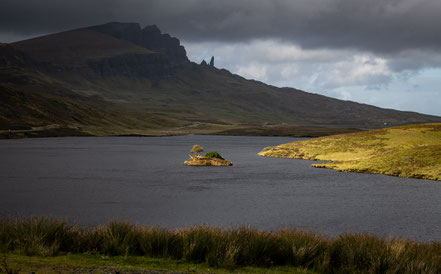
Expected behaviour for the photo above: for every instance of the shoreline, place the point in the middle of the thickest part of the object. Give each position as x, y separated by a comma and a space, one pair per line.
78, 131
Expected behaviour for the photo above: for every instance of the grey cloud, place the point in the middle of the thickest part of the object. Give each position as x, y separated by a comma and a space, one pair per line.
324, 69
414, 60
34, 17
380, 26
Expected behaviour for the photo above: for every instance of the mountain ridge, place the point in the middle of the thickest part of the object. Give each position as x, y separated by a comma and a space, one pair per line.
128, 69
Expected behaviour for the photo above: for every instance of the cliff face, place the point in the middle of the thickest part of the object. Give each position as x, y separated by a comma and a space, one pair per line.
153, 39
153, 66
167, 53
10, 57
150, 38
113, 49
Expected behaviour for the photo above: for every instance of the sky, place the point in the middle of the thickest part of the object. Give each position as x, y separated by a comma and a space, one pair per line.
381, 52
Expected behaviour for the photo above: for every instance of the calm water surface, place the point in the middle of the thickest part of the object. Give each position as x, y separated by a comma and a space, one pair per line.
93, 180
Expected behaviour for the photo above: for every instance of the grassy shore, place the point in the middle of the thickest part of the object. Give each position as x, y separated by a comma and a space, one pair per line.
54, 243
97, 263
407, 151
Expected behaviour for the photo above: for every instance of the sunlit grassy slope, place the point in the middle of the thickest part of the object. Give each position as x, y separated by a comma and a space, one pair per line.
406, 151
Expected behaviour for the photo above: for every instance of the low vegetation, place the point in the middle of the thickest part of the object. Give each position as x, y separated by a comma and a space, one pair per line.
214, 154
96, 263
217, 247
407, 151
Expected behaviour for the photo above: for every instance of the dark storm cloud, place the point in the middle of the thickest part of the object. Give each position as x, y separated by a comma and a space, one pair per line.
380, 26
27, 17
375, 25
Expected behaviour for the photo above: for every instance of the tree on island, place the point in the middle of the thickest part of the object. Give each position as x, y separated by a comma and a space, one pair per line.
196, 150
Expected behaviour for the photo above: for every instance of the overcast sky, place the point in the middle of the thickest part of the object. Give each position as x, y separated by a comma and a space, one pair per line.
381, 52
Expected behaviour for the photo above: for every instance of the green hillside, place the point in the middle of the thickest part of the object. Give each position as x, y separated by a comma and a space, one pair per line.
29, 114
406, 151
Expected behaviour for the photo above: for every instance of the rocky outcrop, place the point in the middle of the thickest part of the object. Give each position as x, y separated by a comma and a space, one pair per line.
164, 43
205, 161
205, 64
149, 37
153, 66
10, 57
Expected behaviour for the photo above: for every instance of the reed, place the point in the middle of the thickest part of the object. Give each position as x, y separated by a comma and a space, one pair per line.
224, 247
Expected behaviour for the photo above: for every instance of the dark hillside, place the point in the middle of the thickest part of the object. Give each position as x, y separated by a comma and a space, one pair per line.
74, 49
121, 67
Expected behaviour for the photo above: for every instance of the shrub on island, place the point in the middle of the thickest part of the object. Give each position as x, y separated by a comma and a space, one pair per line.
214, 154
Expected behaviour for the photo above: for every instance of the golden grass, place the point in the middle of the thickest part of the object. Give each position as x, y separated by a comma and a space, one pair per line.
412, 151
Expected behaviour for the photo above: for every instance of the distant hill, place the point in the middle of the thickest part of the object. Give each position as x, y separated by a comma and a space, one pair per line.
145, 82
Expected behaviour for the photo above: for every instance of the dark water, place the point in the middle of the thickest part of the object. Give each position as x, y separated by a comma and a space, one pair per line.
143, 180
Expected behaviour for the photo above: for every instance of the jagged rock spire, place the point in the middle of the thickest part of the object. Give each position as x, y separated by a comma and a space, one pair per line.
212, 61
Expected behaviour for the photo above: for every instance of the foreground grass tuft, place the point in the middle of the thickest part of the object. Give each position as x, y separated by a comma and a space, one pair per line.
217, 247
408, 151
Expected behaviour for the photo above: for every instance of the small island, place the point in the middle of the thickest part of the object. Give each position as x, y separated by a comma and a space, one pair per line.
210, 159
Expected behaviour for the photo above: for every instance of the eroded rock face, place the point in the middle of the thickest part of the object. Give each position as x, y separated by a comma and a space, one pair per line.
150, 37
10, 57
163, 43
154, 66
205, 64
204, 161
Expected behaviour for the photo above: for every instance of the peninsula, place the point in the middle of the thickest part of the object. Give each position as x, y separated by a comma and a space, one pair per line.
412, 151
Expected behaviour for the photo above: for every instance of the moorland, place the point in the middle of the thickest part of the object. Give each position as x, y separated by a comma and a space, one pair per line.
407, 151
